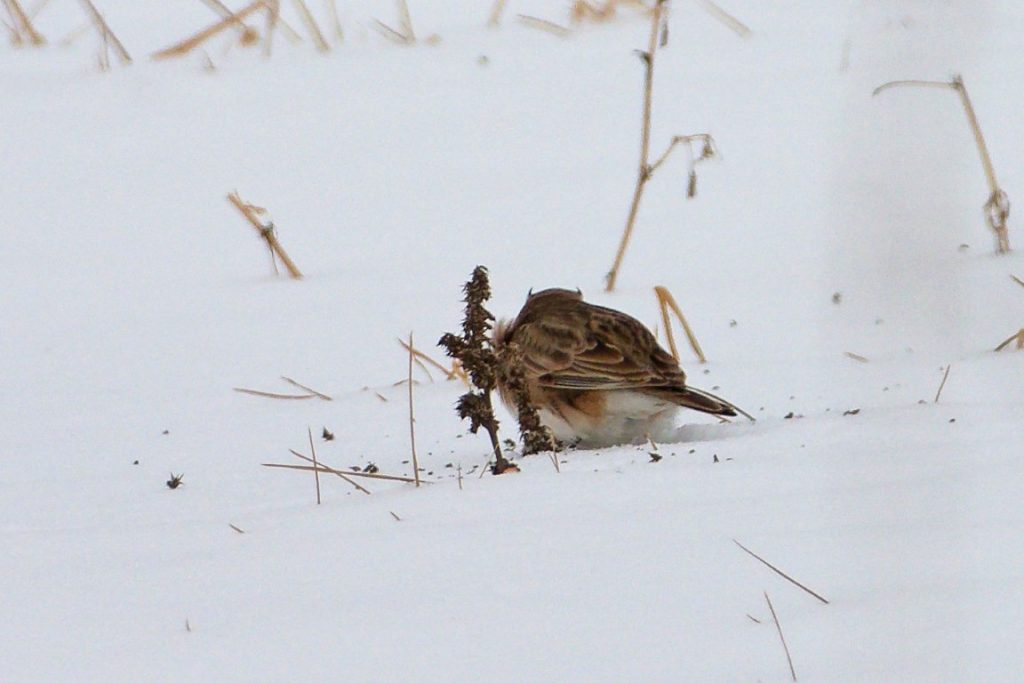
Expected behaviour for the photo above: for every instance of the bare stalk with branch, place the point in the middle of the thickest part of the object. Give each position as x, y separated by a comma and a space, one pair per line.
658, 37
251, 214
997, 206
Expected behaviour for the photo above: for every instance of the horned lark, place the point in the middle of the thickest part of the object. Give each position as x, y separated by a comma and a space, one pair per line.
597, 376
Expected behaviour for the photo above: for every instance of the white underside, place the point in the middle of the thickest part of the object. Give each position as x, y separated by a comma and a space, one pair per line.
630, 417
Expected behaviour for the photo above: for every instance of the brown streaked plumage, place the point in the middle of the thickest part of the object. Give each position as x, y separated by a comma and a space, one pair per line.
597, 376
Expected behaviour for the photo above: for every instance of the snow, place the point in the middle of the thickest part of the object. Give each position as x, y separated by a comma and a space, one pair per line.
136, 298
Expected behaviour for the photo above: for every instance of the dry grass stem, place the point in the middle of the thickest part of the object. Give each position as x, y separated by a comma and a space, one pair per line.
730, 22
311, 26
665, 302
272, 17
778, 571
269, 394
544, 25
997, 206
945, 376
1017, 280
406, 20
241, 531
1018, 337
105, 32
332, 12
22, 24
266, 232
452, 373
412, 420
320, 467
460, 476
645, 143
316, 466
497, 10
314, 392
404, 36
856, 356
397, 518
778, 627
247, 35
324, 468
185, 46
554, 461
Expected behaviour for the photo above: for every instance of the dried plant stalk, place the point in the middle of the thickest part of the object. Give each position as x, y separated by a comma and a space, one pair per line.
406, 20
311, 26
412, 421
497, 10
268, 394
23, 27
452, 373
105, 32
536, 437
273, 17
665, 302
316, 466
320, 467
247, 34
185, 46
266, 232
997, 206
730, 22
778, 571
544, 25
942, 384
325, 468
778, 627
314, 392
474, 351
332, 11
1018, 337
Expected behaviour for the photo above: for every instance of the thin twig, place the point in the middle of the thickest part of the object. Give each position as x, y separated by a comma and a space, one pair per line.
730, 22
645, 143
266, 232
332, 10
185, 46
324, 468
241, 531
397, 518
305, 388
1019, 337
105, 32
22, 23
406, 20
554, 461
942, 384
497, 10
450, 373
247, 35
460, 476
390, 33
1017, 280
666, 301
311, 26
412, 421
997, 207
856, 356
273, 16
544, 25
778, 627
316, 466
268, 394
778, 571
320, 467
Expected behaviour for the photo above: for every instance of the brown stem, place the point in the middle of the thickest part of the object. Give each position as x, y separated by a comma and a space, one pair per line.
644, 171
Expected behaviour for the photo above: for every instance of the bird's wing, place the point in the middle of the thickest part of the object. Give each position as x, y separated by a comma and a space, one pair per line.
595, 350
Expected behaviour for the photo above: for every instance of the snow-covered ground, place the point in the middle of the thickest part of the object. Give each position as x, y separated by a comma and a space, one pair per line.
135, 298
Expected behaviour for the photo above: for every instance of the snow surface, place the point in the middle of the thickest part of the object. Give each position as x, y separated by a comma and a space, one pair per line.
135, 298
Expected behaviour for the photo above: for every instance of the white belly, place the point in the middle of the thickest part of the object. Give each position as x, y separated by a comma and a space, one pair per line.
629, 417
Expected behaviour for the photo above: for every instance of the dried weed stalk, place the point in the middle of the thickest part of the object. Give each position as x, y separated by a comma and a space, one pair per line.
536, 437
21, 28
658, 37
106, 34
474, 351
251, 214
665, 302
185, 46
311, 26
997, 206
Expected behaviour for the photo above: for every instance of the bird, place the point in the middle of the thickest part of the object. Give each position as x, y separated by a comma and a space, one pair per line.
596, 376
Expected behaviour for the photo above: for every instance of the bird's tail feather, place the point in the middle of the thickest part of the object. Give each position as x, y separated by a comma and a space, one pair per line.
705, 402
